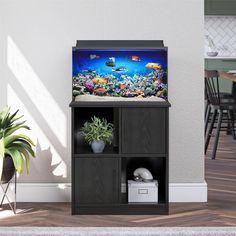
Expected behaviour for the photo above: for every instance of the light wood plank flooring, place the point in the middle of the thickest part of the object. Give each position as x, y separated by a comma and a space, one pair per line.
219, 211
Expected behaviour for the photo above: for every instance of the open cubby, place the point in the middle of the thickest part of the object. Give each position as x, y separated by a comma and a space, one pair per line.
156, 165
83, 114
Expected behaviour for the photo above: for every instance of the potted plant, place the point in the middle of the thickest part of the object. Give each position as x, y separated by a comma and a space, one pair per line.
15, 149
97, 133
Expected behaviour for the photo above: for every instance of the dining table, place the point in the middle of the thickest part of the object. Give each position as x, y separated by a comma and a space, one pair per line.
228, 75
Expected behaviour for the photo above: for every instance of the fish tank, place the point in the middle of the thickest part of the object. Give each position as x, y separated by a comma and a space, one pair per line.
119, 73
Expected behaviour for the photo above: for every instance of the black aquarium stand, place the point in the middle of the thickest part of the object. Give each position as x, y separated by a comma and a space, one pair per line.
141, 135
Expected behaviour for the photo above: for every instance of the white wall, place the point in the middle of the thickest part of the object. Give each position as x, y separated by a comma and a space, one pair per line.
35, 71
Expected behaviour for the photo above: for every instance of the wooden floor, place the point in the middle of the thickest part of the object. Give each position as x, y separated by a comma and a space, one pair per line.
219, 211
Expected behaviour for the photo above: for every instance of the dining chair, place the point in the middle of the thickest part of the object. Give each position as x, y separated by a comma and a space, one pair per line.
208, 111
220, 106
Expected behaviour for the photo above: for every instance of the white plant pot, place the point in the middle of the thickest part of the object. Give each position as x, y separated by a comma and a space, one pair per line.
98, 146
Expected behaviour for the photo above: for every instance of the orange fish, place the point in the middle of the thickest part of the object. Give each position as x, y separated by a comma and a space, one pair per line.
99, 80
152, 65
123, 86
100, 91
134, 58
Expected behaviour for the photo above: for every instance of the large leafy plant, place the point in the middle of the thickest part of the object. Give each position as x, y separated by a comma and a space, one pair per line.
97, 129
18, 146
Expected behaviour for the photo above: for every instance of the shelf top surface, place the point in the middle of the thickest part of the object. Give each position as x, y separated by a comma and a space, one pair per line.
142, 103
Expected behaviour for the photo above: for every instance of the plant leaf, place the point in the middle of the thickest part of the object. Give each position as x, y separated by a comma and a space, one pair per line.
18, 137
25, 145
13, 115
27, 159
11, 130
2, 147
16, 118
25, 154
5, 121
17, 159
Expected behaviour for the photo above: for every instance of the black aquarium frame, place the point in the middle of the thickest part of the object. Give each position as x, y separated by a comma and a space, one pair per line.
121, 44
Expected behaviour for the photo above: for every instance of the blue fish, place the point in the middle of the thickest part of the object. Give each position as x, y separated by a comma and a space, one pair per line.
121, 69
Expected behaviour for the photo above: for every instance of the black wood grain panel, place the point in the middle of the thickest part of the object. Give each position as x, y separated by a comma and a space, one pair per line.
143, 130
140, 139
96, 180
103, 104
119, 209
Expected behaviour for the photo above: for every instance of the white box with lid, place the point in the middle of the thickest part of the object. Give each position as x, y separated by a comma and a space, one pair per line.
142, 191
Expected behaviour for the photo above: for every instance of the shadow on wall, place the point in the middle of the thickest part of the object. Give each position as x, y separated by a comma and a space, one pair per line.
42, 162
26, 91
54, 170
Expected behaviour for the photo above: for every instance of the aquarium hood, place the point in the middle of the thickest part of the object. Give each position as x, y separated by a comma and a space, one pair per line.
119, 43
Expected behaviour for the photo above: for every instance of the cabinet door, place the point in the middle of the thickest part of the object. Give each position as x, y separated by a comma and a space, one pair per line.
220, 7
96, 180
143, 130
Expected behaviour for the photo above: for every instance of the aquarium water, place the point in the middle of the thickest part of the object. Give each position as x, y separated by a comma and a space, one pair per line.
120, 72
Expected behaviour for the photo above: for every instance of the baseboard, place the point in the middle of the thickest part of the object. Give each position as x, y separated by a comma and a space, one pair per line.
188, 192
56, 192
41, 192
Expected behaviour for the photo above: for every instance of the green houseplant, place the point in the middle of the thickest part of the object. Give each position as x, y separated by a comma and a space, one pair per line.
15, 149
97, 133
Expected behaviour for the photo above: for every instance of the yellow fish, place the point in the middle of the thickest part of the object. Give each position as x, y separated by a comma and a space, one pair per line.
152, 65
99, 80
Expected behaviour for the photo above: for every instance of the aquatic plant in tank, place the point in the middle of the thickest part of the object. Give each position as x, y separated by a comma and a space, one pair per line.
120, 72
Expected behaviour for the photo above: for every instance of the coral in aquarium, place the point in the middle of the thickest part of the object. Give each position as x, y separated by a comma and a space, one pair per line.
139, 73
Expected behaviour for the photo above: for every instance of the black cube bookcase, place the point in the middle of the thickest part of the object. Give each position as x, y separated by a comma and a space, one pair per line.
140, 140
